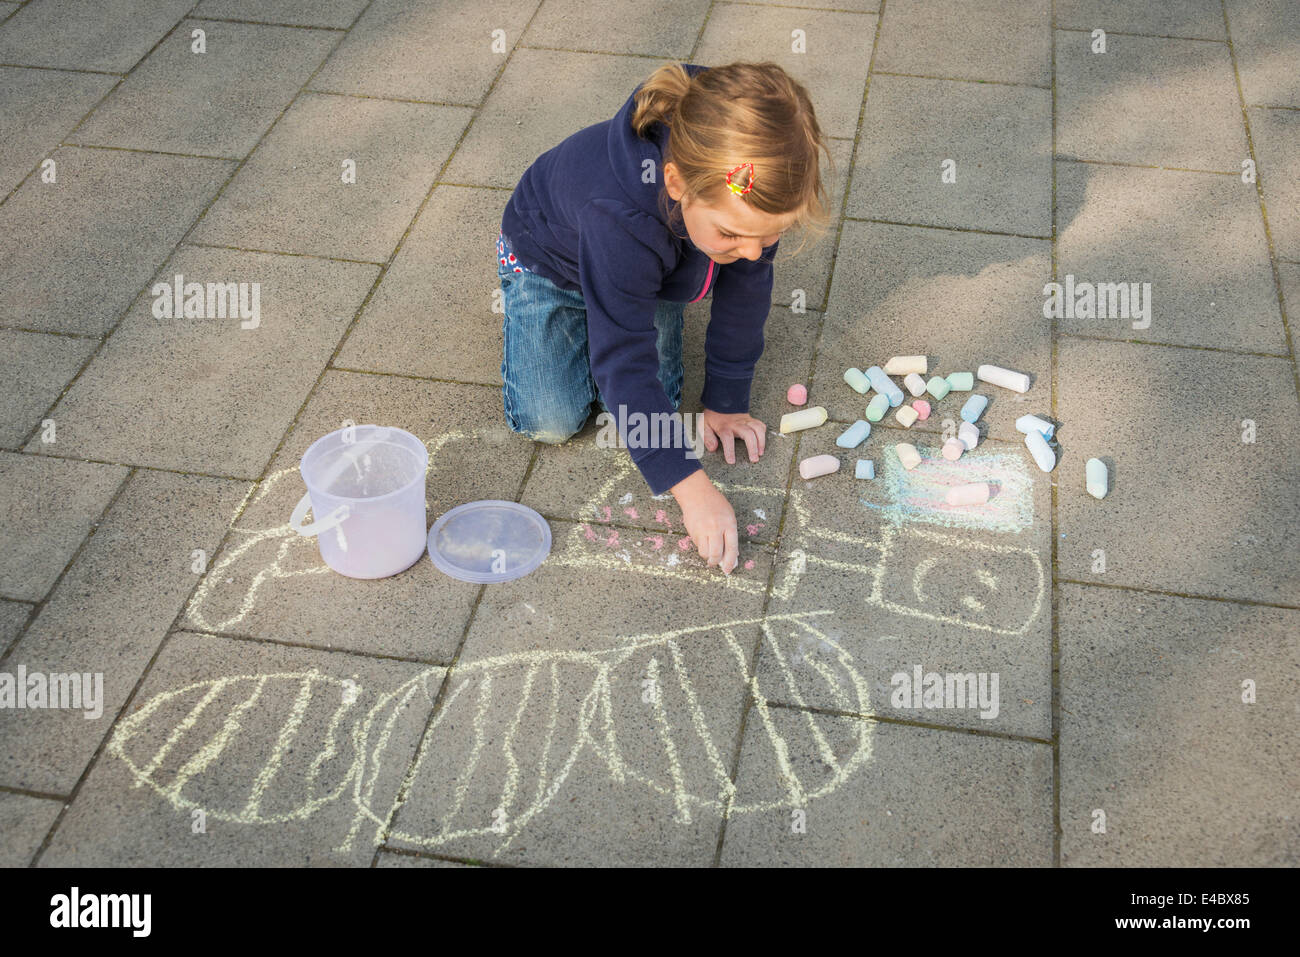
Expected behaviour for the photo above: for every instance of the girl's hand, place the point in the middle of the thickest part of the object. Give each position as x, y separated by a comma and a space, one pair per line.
718, 427
709, 520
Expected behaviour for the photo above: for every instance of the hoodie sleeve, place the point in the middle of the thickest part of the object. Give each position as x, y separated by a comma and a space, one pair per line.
742, 298
621, 274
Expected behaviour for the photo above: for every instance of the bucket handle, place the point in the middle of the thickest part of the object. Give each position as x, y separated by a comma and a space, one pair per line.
334, 518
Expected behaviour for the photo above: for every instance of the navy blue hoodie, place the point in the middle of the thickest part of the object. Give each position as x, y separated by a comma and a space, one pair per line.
582, 217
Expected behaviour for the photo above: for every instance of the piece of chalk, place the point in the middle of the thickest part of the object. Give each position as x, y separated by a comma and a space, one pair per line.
974, 407
1032, 423
877, 407
810, 468
960, 381
803, 419
865, 469
1015, 381
857, 381
922, 409
1043, 455
937, 387
885, 386
905, 365
852, 437
906, 416
908, 455
953, 448
915, 384
976, 493
797, 394
969, 433
1097, 477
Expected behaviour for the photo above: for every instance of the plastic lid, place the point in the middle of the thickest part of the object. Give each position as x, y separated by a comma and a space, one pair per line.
489, 542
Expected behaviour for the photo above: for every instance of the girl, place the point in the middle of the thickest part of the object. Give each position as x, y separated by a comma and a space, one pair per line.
595, 273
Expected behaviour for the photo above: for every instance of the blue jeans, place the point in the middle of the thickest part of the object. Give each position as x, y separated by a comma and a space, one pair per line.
547, 385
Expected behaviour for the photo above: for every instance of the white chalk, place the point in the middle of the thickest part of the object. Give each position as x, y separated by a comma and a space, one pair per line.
885, 386
1097, 477
953, 448
865, 469
857, 380
969, 433
938, 386
906, 416
811, 468
1043, 455
853, 436
976, 493
1015, 381
908, 455
906, 365
803, 419
1032, 423
877, 407
915, 385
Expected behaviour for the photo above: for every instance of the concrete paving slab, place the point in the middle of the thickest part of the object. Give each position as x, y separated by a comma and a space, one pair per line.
1230, 505
214, 104
963, 299
285, 751
50, 507
834, 68
13, 616
36, 368
999, 137
338, 14
1266, 41
1153, 102
809, 269
108, 616
989, 40
1290, 276
919, 797
272, 583
24, 822
9, 8
136, 205
1277, 149
392, 859
40, 107
428, 317
430, 50
107, 35
174, 392
1173, 18
290, 195
1121, 225
623, 26
1155, 732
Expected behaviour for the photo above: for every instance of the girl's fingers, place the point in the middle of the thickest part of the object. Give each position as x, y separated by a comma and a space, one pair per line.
729, 448
753, 439
710, 437
732, 551
715, 549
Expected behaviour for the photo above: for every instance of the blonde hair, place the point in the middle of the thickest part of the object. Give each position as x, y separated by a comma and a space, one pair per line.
739, 113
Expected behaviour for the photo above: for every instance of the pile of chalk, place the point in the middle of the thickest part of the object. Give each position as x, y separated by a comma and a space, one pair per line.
888, 395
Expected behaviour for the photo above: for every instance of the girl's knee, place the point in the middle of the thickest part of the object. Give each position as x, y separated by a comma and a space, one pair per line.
553, 429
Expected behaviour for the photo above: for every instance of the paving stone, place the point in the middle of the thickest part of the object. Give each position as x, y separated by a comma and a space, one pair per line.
1000, 138
1154, 731
623, 26
289, 196
13, 616
1009, 42
442, 51
1290, 275
887, 795
1229, 505
286, 751
1265, 38
1277, 147
40, 107
834, 69
1174, 18
184, 387
963, 299
136, 205
215, 104
24, 822
107, 35
1124, 225
272, 583
49, 507
108, 616
7, 8
35, 368
390, 859
861, 6
1154, 102
338, 14
809, 269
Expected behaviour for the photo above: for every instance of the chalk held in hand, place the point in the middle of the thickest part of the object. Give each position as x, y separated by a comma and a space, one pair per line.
877, 407
885, 386
857, 381
974, 407
1015, 381
976, 493
811, 468
953, 448
937, 386
915, 385
1032, 423
803, 419
1097, 477
906, 416
922, 409
797, 394
853, 436
865, 469
908, 455
906, 365
969, 434
960, 381
1043, 455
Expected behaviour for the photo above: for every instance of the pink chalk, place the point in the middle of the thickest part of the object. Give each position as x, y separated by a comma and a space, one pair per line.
976, 493
630, 511
797, 394
657, 542
613, 538
662, 517
953, 448
750, 563
591, 536
922, 409
684, 543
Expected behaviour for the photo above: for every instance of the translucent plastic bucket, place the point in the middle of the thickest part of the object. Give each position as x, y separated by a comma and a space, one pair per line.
365, 487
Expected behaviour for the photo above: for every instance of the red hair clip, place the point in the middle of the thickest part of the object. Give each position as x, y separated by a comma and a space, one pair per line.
738, 190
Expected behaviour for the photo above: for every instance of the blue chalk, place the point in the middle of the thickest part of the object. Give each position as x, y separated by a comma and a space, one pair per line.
885, 386
974, 407
852, 437
865, 469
